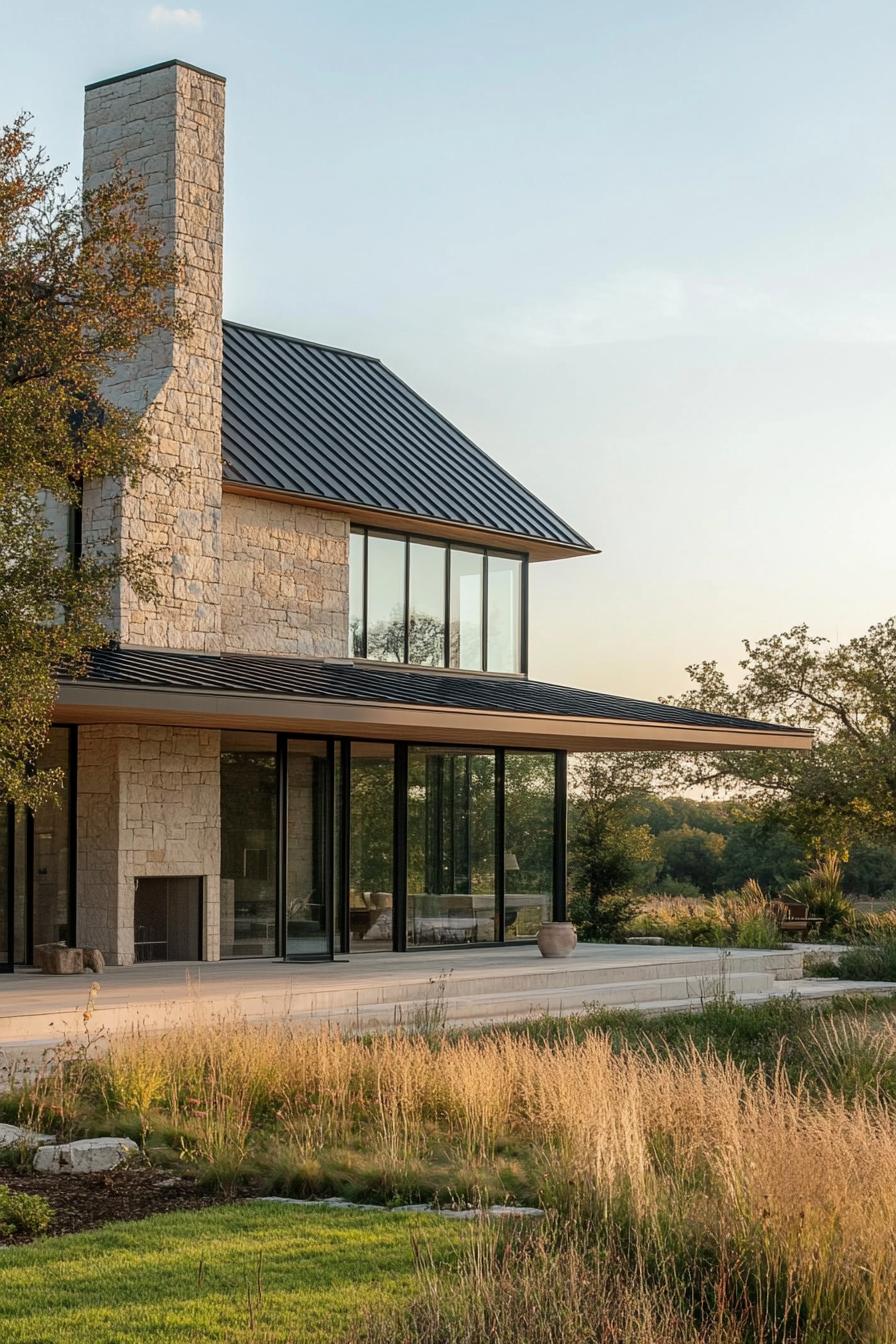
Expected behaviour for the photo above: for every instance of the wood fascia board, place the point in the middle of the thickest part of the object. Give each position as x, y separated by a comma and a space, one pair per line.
404, 522
89, 702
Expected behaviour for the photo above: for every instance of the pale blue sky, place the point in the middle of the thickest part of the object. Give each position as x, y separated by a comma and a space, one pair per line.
643, 252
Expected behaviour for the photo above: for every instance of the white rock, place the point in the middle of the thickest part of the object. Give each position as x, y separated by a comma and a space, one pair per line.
11, 1135
465, 1215
412, 1208
515, 1211
85, 1155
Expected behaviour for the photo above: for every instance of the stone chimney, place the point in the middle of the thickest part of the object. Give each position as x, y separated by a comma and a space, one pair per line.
166, 123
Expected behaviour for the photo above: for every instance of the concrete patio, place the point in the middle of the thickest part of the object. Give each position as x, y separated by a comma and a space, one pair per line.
376, 991
384, 989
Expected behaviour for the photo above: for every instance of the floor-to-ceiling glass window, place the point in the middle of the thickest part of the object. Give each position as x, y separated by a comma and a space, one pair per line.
386, 565
431, 603
426, 603
465, 608
20, 876
308, 885
6, 839
248, 844
51, 885
451, 846
371, 887
529, 816
505, 612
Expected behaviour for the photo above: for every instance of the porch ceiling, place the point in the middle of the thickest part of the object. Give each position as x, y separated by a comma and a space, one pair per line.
342, 698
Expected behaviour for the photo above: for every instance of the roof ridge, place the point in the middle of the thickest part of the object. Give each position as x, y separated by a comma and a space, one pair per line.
301, 340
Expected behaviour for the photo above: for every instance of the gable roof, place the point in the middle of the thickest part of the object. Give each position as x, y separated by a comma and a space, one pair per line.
342, 428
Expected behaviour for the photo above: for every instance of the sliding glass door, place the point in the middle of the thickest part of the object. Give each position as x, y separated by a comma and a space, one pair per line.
308, 806
451, 847
371, 857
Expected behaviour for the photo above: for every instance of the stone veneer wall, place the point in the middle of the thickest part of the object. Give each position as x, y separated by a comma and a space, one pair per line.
284, 578
167, 125
149, 805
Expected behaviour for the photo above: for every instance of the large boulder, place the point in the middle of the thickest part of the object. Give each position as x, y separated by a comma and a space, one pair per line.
93, 960
13, 1136
85, 1155
56, 959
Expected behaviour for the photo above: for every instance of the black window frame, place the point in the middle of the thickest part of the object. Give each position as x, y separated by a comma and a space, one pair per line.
449, 547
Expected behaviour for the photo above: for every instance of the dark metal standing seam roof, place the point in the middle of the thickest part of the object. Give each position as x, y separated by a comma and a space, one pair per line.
317, 680
341, 427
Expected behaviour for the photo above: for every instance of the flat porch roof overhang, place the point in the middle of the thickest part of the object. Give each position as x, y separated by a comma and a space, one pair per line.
99, 702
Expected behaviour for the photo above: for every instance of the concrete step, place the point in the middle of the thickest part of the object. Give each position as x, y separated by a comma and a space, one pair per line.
811, 990
499, 1005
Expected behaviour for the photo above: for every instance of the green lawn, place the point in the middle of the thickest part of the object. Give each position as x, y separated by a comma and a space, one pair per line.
196, 1276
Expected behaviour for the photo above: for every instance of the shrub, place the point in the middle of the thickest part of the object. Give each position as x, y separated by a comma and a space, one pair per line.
733, 919
605, 919
23, 1213
821, 889
852, 1059
679, 922
758, 931
672, 886
869, 962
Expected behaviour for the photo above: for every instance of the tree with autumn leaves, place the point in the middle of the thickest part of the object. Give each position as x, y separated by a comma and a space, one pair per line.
83, 280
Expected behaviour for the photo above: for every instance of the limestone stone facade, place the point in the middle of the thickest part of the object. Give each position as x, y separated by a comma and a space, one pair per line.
149, 805
239, 574
284, 578
167, 125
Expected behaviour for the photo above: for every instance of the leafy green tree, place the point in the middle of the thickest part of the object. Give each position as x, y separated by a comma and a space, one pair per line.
609, 857
693, 855
846, 787
670, 813
870, 870
758, 849
82, 281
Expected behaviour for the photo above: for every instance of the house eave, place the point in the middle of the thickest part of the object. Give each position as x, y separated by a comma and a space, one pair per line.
447, 529
91, 702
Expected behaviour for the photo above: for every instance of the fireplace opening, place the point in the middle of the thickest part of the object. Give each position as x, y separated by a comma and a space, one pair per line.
168, 919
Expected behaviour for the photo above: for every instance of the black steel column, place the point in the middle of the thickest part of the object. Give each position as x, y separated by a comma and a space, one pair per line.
560, 834
344, 803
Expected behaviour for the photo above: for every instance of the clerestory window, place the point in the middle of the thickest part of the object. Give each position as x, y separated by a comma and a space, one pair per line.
436, 604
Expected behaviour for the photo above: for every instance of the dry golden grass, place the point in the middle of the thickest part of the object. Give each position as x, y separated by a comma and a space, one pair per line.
719, 1185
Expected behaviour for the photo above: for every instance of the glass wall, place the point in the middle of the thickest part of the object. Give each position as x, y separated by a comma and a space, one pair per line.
50, 918
21, 951
328, 875
451, 846
6, 824
433, 604
307, 855
371, 886
529, 818
248, 844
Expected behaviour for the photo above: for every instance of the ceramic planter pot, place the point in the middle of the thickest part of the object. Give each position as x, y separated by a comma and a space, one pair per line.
556, 938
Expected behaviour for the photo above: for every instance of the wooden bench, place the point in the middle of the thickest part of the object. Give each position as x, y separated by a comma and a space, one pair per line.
793, 916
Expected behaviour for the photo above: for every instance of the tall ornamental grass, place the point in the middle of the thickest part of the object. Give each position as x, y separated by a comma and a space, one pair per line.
692, 1189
